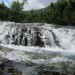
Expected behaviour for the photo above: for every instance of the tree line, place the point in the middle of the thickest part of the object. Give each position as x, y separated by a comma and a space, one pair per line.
62, 12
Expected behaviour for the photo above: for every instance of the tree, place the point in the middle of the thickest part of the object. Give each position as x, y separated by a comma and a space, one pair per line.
4, 12
16, 6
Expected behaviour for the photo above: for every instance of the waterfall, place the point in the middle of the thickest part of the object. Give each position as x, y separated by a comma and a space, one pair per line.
37, 34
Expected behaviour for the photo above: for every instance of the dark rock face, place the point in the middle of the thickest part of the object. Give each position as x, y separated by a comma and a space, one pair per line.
29, 35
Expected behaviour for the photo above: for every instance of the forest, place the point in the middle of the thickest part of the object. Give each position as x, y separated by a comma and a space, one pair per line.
61, 12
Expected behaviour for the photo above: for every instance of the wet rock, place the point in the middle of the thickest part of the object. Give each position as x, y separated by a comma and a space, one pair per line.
8, 64
29, 63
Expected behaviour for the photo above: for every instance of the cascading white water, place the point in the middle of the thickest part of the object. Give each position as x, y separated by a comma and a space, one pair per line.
37, 34
32, 45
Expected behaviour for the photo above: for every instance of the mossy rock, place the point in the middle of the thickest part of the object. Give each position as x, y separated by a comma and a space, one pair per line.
1, 69
14, 71
45, 73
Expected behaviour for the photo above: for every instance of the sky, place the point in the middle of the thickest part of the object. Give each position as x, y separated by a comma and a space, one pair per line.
7, 2
31, 4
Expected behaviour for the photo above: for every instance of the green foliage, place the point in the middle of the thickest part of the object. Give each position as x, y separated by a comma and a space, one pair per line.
4, 12
16, 6
61, 12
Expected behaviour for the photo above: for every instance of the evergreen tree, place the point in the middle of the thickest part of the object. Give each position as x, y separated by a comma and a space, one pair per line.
62, 12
